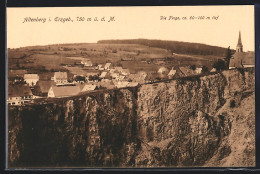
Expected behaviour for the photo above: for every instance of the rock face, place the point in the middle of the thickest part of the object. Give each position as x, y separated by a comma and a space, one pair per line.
173, 123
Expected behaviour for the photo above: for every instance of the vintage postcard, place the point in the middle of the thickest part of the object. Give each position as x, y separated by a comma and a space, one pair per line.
130, 87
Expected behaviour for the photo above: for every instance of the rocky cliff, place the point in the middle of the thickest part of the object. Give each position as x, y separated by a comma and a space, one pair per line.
181, 122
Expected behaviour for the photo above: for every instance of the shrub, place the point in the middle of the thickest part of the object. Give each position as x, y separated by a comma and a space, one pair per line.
205, 69
193, 67
220, 65
232, 103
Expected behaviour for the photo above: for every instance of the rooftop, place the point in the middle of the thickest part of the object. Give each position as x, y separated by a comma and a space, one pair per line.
19, 91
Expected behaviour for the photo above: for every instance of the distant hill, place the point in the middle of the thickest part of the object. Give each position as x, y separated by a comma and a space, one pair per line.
174, 46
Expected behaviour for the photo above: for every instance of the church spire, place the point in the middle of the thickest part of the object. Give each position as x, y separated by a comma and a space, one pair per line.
239, 44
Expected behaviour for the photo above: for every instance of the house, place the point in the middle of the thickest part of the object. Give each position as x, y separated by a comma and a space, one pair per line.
31, 79
103, 75
187, 71
115, 75
125, 72
123, 84
86, 62
42, 88
140, 77
100, 67
105, 84
198, 70
172, 73
89, 87
60, 77
19, 94
108, 66
93, 73
213, 70
175, 72
132, 84
121, 77
118, 69
163, 70
63, 91
17, 72
241, 59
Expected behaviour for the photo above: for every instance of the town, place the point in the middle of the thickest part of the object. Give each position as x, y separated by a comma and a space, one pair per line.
85, 76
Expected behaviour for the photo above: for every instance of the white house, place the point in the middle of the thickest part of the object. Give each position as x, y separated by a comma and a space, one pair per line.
60, 77
86, 62
172, 73
115, 75
103, 75
31, 79
107, 66
198, 70
100, 67
118, 69
163, 70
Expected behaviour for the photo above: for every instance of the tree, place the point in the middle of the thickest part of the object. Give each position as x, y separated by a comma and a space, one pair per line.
219, 65
228, 56
205, 69
193, 67
79, 78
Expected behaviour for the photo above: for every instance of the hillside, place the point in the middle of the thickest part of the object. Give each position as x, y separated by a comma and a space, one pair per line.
135, 57
174, 46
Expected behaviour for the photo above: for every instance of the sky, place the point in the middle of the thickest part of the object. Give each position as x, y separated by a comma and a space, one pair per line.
220, 27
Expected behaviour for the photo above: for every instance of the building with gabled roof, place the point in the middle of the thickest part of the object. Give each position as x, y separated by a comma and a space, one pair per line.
198, 70
125, 72
108, 66
86, 62
42, 87
213, 70
172, 72
31, 79
60, 77
104, 74
19, 94
163, 70
105, 84
100, 67
17, 72
89, 87
118, 68
63, 91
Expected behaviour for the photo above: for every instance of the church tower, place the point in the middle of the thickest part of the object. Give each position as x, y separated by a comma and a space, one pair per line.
239, 44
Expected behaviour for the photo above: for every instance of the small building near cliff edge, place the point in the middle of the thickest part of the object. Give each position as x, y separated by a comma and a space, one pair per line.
63, 91
19, 94
241, 59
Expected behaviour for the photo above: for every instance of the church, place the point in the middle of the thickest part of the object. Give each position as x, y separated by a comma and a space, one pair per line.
241, 59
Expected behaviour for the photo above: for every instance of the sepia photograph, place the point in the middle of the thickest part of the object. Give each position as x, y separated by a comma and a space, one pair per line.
130, 87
